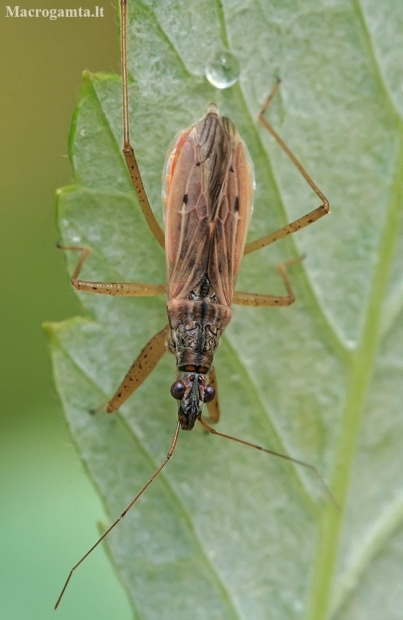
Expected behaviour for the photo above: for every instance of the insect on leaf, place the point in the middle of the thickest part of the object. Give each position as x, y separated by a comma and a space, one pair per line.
226, 531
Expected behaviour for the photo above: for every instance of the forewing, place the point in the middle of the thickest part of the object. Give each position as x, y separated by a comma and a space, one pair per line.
187, 236
231, 224
207, 208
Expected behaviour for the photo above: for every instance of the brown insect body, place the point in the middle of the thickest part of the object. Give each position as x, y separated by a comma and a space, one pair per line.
208, 195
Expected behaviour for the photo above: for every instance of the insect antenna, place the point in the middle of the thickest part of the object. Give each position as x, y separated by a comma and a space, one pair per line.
124, 513
312, 468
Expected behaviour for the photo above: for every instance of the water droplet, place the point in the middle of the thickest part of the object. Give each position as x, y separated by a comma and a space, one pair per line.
222, 70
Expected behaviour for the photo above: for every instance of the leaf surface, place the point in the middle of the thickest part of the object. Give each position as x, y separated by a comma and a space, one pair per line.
225, 531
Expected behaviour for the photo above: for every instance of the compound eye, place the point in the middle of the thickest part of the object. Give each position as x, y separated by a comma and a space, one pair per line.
178, 390
209, 394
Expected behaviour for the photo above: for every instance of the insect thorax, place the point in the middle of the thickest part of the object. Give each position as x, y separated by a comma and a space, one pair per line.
196, 328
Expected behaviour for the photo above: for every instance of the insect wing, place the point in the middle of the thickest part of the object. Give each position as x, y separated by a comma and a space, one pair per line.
231, 224
187, 238
209, 187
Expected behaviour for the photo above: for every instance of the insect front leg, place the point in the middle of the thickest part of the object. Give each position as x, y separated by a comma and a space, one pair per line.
301, 222
213, 407
255, 299
118, 289
140, 369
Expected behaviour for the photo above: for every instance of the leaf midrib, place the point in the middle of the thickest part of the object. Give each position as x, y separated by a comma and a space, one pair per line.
361, 372
364, 362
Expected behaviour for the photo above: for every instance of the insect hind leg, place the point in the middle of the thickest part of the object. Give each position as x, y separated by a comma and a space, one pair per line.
128, 151
303, 221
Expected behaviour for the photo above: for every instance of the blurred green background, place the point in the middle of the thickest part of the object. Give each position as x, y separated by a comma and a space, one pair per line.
49, 510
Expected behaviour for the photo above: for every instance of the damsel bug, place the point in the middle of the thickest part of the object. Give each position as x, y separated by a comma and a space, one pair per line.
208, 187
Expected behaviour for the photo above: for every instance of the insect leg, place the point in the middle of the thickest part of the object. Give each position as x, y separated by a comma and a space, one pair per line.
301, 222
128, 151
140, 369
213, 406
119, 289
255, 299
124, 513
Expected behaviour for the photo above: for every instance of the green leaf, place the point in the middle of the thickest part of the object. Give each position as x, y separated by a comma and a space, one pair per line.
226, 531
